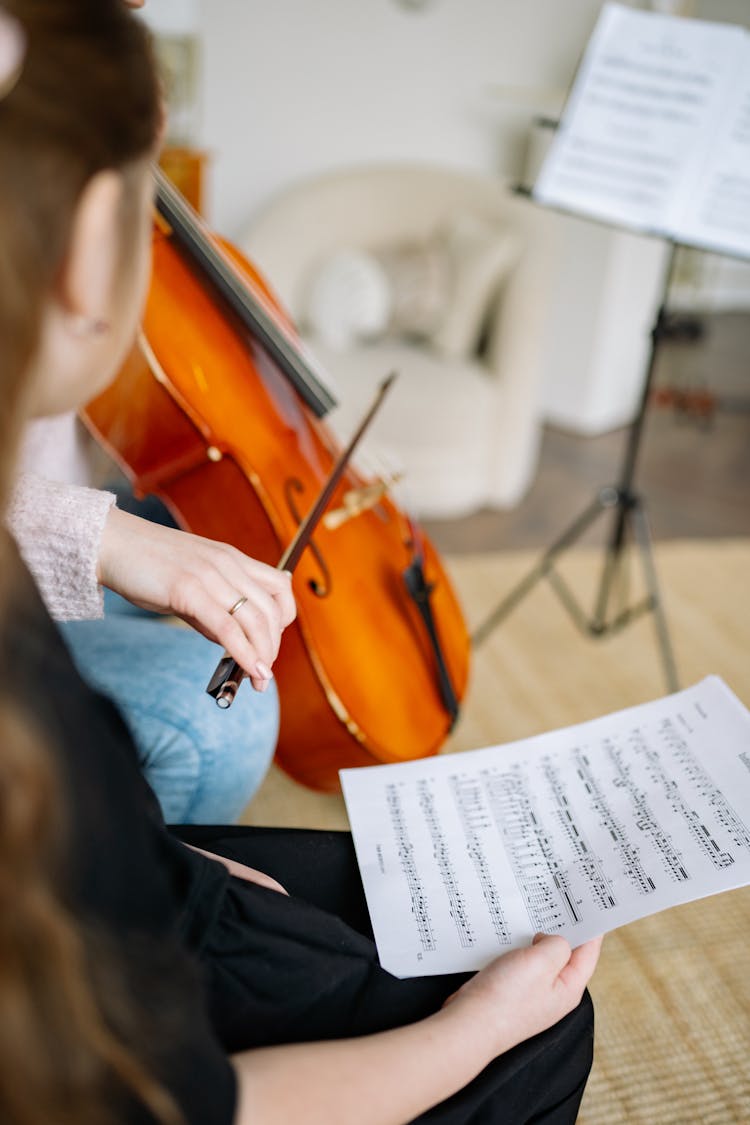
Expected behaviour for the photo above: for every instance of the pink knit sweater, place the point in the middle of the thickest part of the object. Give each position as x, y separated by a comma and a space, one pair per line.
58, 528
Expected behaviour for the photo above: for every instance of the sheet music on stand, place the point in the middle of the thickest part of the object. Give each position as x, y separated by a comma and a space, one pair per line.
655, 134
576, 831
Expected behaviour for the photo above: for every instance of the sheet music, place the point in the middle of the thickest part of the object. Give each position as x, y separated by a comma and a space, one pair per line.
655, 132
716, 214
577, 831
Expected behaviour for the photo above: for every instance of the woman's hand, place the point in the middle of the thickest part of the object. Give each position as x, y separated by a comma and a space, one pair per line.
515, 997
242, 871
528, 990
170, 571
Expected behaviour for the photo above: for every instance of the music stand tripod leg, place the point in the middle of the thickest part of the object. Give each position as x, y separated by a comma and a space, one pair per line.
645, 543
630, 508
543, 567
631, 514
627, 507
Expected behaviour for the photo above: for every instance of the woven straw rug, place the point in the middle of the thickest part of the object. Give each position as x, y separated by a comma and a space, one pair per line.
672, 992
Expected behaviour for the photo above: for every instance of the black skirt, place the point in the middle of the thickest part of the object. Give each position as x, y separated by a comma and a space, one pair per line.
303, 967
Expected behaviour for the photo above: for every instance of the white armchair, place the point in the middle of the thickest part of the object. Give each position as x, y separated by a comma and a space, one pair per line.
463, 420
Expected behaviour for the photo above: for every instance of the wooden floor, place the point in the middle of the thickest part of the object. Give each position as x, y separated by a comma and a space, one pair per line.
693, 473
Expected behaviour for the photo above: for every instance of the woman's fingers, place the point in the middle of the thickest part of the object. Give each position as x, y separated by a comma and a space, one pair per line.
278, 583
201, 581
251, 635
266, 603
266, 607
268, 589
573, 967
576, 974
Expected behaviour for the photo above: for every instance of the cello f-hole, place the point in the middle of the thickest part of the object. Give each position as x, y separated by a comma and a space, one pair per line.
320, 587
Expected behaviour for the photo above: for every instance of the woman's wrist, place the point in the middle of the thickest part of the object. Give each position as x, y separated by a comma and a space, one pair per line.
108, 544
482, 1034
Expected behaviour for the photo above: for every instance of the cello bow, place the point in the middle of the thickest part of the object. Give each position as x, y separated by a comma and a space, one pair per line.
228, 674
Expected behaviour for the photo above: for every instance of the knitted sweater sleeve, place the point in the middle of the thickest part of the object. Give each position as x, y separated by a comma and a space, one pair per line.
58, 528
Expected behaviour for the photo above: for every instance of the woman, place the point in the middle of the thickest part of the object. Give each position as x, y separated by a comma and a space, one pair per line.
203, 764
183, 982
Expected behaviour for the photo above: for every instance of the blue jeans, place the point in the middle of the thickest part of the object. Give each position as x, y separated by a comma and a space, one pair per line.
204, 764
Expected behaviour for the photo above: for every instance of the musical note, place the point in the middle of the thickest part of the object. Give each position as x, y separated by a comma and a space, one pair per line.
628, 851
545, 886
405, 850
475, 821
573, 832
699, 778
588, 862
445, 866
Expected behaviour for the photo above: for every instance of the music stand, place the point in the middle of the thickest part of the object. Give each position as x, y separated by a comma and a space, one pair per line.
628, 511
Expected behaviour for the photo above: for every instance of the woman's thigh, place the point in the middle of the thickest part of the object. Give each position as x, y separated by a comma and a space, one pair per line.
319, 867
304, 967
203, 763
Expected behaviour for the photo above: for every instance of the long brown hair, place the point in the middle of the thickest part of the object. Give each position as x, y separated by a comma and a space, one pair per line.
86, 100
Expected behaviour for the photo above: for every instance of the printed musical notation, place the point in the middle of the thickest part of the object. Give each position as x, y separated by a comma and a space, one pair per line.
655, 135
575, 832
405, 852
672, 789
587, 860
472, 810
626, 847
541, 878
698, 777
442, 854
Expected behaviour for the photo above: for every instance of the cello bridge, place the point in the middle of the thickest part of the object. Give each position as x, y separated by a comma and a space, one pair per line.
359, 500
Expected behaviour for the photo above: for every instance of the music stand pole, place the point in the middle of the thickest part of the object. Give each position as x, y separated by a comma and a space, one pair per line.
628, 512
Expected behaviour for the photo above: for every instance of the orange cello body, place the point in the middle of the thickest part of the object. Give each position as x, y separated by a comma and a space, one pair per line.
201, 416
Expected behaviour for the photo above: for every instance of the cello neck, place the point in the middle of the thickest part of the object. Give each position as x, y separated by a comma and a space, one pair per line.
196, 241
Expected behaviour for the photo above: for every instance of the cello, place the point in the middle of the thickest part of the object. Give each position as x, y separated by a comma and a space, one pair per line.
219, 412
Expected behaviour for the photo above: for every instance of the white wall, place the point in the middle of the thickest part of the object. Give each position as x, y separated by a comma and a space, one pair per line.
290, 88
293, 87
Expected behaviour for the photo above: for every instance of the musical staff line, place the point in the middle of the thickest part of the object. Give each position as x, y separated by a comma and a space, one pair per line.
703, 782
405, 851
587, 861
543, 884
644, 817
570, 832
474, 816
441, 852
628, 852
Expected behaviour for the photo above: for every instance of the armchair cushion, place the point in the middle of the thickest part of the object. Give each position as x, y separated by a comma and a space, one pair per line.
481, 254
349, 299
420, 280
436, 291
465, 429
436, 430
355, 295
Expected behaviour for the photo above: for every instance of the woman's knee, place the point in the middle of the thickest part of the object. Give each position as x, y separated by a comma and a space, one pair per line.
237, 747
204, 763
